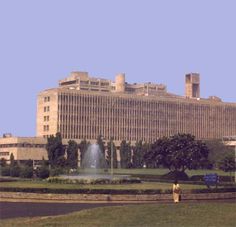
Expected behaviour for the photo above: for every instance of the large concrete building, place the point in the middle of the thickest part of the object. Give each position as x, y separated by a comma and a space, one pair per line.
85, 107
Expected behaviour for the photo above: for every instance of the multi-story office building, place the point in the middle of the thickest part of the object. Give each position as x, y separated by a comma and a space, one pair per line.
84, 107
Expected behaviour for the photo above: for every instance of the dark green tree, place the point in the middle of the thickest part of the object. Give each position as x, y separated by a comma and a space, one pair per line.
228, 164
83, 146
178, 153
12, 160
29, 163
14, 167
43, 170
26, 171
56, 151
138, 154
3, 162
146, 149
125, 154
101, 145
217, 152
110, 146
72, 154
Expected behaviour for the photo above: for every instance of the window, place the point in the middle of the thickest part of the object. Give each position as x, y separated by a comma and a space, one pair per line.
48, 108
46, 118
104, 84
47, 99
84, 82
46, 128
4, 153
45, 108
94, 83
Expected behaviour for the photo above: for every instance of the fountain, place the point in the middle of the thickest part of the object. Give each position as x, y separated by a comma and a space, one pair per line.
95, 170
93, 159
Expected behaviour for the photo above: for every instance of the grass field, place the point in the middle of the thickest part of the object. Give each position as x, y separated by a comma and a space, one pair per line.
160, 171
163, 215
145, 185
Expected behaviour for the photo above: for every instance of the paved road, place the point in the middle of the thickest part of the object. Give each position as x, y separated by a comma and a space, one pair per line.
21, 209
31, 209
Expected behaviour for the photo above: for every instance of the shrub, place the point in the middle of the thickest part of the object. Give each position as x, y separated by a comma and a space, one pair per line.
110, 191
26, 172
175, 175
197, 178
93, 181
56, 172
43, 172
5, 171
201, 178
15, 171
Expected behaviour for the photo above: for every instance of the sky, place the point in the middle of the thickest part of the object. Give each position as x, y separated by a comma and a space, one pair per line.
157, 41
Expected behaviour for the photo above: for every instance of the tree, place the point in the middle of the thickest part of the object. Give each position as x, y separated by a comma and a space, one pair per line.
157, 154
29, 163
178, 153
43, 170
125, 154
111, 145
12, 160
217, 151
146, 149
138, 154
72, 154
101, 145
3, 162
56, 151
26, 171
83, 146
228, 164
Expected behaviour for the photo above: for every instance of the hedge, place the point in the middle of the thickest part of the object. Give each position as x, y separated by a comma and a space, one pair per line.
195, 179
93, 181
112, 191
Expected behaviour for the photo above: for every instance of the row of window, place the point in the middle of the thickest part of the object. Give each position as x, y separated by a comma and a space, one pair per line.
46, 118
46, 108
4, 153
46, 128
21, 145
96, 83
47, 99
47, 136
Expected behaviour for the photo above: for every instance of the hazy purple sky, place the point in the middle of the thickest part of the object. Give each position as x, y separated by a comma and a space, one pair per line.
42, 41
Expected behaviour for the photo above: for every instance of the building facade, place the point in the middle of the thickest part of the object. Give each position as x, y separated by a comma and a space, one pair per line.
83, 107
23, 148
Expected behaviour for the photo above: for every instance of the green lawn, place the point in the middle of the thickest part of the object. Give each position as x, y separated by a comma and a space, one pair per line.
163, 215
164, 171
145, 185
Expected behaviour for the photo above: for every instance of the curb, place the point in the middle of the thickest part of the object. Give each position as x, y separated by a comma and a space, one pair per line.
105, 198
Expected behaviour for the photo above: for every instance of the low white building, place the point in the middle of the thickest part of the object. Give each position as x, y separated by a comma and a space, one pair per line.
23, 148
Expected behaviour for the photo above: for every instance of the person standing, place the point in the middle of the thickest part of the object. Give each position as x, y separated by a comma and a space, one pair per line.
176, 192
